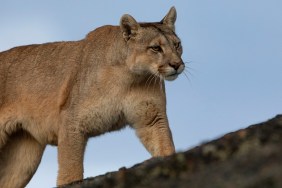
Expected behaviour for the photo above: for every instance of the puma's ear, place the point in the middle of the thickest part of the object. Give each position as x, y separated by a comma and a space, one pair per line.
129, 26
170, 18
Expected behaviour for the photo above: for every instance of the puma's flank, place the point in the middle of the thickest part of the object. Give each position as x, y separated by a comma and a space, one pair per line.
62, 93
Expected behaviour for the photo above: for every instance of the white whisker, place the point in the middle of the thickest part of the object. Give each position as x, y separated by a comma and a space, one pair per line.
184, 72
161, 84
151, 77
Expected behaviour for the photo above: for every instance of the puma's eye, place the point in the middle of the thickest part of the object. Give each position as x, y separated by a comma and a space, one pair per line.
156, 48
177, 45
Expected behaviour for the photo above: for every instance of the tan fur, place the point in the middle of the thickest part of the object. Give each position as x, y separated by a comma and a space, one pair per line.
62, 93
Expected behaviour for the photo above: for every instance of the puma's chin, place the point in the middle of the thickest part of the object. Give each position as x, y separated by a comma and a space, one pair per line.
171, 77
170, 74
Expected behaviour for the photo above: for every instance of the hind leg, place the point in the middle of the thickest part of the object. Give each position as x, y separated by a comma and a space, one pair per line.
19, 160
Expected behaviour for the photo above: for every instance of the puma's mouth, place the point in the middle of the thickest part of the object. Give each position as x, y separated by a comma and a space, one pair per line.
172, 74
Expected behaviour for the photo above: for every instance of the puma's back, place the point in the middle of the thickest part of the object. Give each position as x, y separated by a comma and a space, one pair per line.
34, 72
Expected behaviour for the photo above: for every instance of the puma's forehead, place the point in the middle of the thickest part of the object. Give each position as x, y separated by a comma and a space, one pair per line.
160, 32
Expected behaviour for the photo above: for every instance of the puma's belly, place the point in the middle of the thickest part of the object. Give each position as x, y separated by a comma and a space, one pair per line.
44, 130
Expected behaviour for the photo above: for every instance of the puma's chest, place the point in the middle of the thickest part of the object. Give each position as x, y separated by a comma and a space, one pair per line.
103, 117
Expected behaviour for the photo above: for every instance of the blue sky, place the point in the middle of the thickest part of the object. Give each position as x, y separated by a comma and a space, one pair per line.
234, 55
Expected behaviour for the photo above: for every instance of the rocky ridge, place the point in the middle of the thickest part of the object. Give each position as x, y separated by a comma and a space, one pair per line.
248, 158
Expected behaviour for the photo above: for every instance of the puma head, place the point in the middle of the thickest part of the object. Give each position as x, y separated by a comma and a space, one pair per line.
153, 48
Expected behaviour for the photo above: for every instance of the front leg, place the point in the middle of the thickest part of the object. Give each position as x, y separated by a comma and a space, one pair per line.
157, 139
71, 148
153, 130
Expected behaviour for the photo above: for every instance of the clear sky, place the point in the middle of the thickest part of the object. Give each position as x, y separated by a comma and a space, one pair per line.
234, 55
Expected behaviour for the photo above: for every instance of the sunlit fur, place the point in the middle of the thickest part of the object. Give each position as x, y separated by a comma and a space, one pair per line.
62, 93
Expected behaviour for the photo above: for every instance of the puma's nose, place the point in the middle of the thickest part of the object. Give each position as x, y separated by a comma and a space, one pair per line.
175, 65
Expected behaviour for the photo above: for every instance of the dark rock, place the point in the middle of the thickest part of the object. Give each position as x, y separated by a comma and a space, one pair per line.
249, 158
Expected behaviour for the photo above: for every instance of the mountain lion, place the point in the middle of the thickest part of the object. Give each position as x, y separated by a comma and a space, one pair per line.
63, 93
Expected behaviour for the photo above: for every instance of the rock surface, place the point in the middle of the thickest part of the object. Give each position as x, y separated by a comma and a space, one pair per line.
249, 158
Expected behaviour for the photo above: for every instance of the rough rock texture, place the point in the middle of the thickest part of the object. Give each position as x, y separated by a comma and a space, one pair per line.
250, 158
